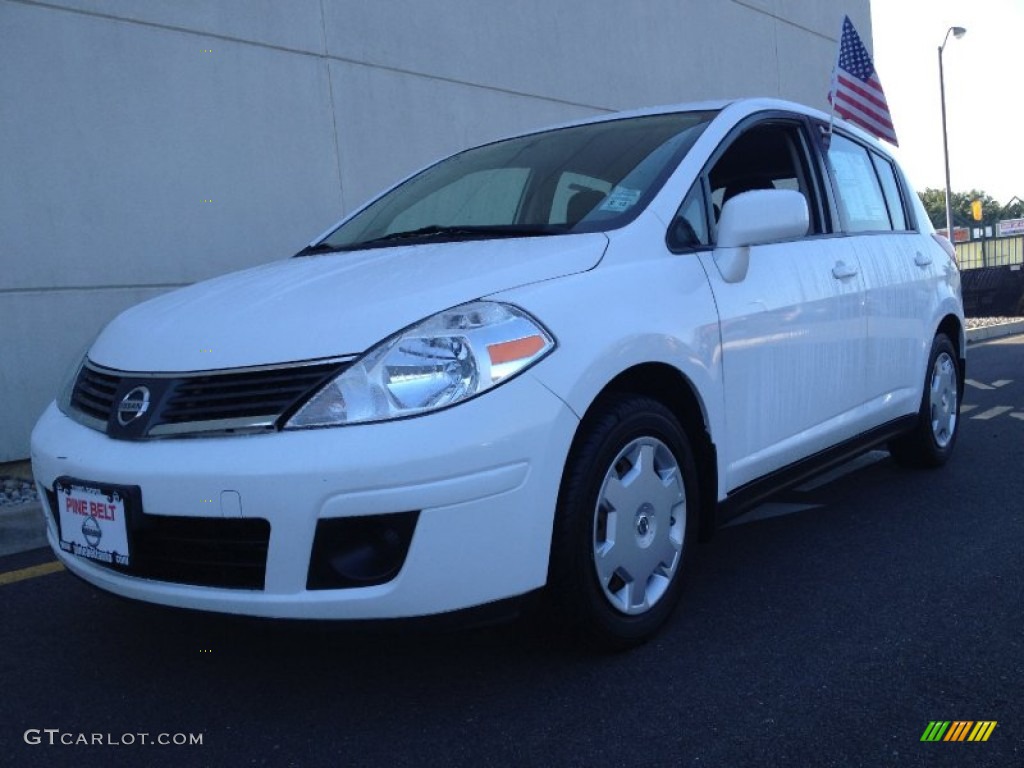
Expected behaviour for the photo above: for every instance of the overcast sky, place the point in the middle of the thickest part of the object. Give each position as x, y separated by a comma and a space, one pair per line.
984, 90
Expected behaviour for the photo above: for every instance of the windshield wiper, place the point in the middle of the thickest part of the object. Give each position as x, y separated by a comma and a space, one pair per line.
436, 231
469, 230
309, 250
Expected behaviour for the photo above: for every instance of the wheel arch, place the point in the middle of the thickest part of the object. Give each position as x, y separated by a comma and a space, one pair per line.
953, 328
674, 390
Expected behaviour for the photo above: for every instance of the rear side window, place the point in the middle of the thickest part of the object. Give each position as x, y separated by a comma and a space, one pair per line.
891, 190
859, 194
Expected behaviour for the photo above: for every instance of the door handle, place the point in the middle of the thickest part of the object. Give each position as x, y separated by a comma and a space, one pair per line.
921, 260
842, 270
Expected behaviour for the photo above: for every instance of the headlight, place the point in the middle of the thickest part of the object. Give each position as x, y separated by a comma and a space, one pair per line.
449, 357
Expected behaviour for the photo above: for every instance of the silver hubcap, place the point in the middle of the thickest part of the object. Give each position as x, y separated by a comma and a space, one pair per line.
639, 525
942, 400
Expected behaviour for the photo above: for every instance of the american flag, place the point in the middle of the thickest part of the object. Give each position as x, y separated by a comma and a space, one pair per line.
856, 92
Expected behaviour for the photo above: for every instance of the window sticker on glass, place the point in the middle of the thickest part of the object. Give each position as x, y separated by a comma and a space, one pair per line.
621, 199
858, 186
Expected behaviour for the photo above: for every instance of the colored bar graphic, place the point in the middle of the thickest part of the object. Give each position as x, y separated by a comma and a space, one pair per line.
935, 730
982, 730
959, 730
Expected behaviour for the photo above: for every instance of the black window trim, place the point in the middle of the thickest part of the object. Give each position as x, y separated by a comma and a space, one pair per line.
906, 190
880, 157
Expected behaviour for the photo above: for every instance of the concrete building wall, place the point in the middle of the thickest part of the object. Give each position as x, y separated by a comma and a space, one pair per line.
145, 145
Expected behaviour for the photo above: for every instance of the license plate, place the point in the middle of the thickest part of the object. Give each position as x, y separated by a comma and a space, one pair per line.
93, 522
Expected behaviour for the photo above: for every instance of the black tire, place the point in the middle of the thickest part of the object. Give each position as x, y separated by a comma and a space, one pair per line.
931, 442
632, 448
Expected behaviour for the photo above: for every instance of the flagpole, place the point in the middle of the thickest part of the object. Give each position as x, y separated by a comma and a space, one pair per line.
832, 87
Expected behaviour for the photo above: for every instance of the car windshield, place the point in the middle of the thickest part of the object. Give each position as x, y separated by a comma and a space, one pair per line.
586, 178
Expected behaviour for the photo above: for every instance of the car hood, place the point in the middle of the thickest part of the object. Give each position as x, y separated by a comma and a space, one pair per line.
327, 305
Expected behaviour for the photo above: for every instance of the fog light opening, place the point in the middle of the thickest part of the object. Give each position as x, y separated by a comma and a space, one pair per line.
360, 551
370, 562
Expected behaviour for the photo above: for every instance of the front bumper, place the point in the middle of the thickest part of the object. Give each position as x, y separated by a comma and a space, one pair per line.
482, 475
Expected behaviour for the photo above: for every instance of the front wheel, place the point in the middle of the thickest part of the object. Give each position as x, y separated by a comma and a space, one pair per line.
930, 443
627, 511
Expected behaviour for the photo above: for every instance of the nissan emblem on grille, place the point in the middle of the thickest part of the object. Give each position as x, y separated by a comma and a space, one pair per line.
132, 406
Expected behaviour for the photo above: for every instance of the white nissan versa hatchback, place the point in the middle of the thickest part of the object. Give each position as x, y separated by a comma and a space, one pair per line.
550, 361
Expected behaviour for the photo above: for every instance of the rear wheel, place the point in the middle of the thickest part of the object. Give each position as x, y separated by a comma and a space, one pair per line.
627, 511
930, 443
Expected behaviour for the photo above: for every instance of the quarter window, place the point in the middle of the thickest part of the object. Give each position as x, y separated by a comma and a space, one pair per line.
690, 226
891, 190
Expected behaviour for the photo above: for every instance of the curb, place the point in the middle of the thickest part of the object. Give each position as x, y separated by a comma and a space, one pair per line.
22, 528
975, 335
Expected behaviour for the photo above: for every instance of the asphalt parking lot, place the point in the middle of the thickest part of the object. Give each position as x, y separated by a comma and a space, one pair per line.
830, 626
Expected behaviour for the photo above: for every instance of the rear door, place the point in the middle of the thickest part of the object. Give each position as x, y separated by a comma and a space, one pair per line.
900, 270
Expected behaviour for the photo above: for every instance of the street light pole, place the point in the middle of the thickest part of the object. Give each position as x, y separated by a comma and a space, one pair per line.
958, 32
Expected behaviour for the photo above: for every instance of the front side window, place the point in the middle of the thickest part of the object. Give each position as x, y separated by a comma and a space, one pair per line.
771, 154
585, 178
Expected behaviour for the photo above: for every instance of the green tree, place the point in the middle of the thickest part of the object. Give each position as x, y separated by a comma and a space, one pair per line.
1013, 209
934, 201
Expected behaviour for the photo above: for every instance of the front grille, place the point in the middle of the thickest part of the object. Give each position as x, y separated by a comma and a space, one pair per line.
94, 393
203, 551
217, 402
234, 395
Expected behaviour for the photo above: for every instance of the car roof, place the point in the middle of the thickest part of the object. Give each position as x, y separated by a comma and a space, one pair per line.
733, 110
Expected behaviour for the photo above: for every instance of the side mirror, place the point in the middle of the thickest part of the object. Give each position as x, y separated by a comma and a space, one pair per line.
763, 216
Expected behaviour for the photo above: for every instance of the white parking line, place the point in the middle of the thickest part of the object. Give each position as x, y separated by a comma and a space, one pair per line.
967, 408
991, 413
993, 385
1018, 416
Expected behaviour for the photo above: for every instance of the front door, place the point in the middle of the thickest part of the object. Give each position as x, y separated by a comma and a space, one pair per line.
793, 326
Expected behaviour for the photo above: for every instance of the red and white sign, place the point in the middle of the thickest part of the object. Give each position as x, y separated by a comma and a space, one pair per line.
92, 524
1009, 227
960, 234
